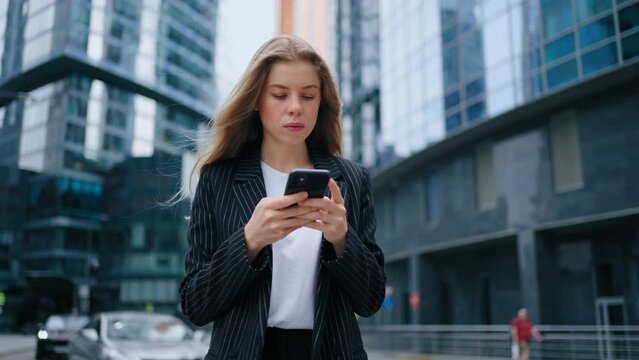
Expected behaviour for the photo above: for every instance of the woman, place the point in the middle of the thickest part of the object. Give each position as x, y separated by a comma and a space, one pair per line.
281, 276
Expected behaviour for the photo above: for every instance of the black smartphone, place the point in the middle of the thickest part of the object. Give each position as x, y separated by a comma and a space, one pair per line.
313, 181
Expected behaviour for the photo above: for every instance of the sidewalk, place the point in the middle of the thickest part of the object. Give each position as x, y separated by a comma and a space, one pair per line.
15, 344
388, 355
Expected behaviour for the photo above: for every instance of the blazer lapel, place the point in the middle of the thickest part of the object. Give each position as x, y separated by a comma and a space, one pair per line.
323, 161
248, 185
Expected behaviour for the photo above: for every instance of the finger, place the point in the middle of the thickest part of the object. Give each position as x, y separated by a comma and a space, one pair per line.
320, 226
285, 201
326, 218
294, 211
323, 204
294, 222
336, 194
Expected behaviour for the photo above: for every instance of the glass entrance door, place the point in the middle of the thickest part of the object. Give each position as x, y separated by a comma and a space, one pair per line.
611, 318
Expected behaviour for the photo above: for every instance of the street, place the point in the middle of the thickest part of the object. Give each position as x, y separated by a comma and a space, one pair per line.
21, 347
17, 347
26, 355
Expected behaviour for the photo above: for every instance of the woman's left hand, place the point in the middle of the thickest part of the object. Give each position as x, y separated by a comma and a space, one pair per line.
329, 217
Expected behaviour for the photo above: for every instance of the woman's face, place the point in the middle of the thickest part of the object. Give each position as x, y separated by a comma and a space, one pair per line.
289, 103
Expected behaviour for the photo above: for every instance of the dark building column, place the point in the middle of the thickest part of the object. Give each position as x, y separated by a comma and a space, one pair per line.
414, 276
633, 277
431, 309
528, 274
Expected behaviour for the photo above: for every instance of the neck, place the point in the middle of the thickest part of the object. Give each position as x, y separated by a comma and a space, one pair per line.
286, 158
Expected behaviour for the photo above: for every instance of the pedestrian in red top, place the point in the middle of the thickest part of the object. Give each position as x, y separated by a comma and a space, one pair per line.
521, 329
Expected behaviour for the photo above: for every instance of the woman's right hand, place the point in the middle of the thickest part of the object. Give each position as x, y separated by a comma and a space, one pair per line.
272, 220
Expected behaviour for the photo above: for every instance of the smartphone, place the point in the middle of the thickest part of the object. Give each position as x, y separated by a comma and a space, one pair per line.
313, 181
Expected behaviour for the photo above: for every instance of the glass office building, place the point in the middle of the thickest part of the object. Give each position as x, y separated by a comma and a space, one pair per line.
86, 87
508, 176
448, 64
357, 55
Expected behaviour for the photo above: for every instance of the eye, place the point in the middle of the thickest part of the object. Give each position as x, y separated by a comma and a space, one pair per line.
279, 96
308, 97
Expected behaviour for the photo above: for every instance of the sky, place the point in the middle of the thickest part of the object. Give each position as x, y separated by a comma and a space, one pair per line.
243, 26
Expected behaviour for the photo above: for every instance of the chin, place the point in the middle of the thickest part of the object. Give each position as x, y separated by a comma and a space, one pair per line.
296, 140
295, 143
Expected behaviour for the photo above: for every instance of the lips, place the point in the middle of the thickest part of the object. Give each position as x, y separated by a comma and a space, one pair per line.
296, 126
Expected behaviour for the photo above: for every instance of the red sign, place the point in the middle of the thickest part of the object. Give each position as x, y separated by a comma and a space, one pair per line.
414, 300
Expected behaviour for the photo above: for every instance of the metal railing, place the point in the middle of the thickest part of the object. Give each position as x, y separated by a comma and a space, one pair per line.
493, 341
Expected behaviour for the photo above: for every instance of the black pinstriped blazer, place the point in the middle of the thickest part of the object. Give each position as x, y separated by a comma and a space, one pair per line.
221, 285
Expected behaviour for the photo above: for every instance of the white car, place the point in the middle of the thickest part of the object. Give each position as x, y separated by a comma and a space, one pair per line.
136, 336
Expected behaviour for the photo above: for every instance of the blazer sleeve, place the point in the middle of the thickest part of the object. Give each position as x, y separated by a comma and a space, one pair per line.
360, 269
218, 270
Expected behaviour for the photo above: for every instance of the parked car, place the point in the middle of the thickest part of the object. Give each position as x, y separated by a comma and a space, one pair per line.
53, 337
136, 336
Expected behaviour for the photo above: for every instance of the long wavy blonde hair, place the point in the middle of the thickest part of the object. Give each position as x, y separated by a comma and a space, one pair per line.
237, 124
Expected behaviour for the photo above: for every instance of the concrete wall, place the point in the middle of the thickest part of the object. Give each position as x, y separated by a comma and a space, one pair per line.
541, 242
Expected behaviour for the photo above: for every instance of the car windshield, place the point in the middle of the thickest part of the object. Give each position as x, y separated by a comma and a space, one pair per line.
148, 328
65, 322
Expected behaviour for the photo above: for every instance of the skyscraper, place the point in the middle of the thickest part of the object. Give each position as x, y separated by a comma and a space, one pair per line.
87, 87
357, 65
447, 64
307, 19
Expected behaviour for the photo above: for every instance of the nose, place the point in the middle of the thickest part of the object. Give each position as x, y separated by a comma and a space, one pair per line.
294, 106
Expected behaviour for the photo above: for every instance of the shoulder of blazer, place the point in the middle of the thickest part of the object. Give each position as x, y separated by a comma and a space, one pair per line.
352, 171
215, 171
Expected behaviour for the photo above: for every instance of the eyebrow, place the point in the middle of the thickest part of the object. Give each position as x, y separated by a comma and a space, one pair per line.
286, 87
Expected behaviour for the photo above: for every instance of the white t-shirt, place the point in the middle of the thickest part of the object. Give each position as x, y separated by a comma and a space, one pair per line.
294, 267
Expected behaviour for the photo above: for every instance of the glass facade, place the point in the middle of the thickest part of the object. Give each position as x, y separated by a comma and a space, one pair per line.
357, 70
143, 243
446, 64
165, 45
96, 96
96, 124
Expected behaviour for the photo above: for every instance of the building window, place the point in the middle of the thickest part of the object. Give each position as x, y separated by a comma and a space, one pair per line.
562, 74
557, 15
566, 156
599, 59
597, 31
116, 118
75, 134
485, 175
113, 143
453, 121
475, 111
559, 48
73, 160
451, 67
630, 45
77, 107
138, 235
588, 8
629, 18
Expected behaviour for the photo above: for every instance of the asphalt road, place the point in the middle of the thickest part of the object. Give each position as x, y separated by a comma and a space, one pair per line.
27, 355
17, 347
